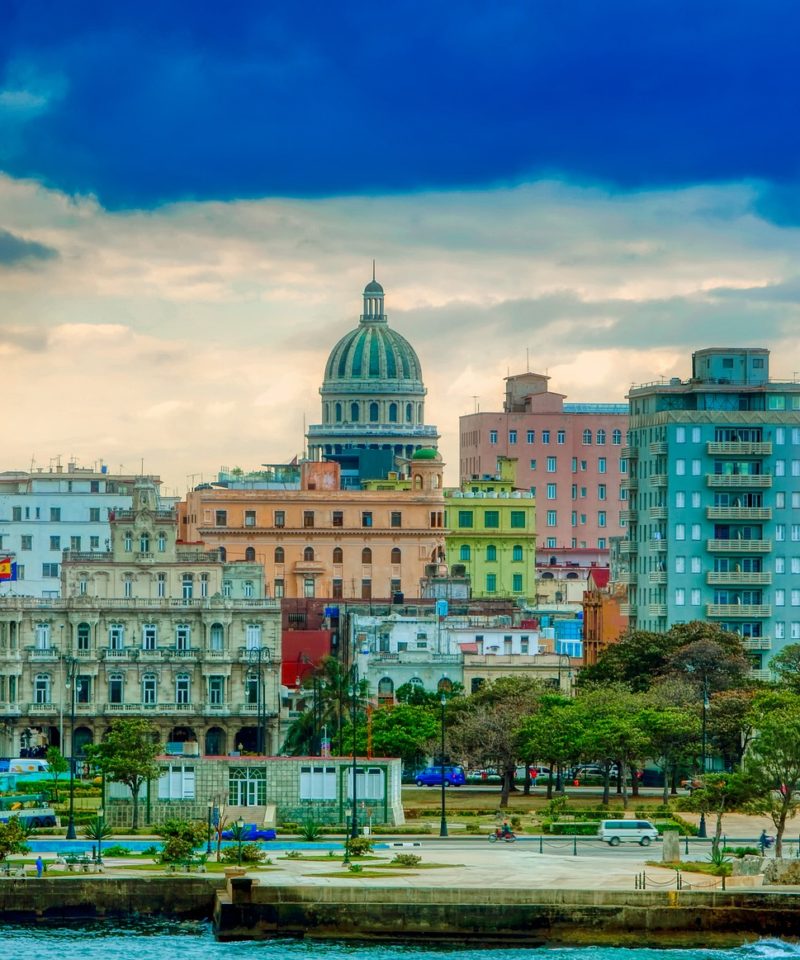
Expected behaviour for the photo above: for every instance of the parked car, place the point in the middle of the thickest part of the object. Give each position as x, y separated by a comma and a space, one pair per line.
615, 832
483, 776
536, 772
250, 833
432, 776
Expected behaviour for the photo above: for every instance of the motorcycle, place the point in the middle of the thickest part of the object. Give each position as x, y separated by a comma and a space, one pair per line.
498, 834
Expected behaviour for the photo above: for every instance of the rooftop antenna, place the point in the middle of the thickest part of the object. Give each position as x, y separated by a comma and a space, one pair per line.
373, 269
305, 454
476, 405
527, 359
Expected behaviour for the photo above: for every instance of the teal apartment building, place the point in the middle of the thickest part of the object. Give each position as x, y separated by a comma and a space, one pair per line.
713, 502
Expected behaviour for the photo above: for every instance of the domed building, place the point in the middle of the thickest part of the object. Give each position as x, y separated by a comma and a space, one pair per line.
373, 397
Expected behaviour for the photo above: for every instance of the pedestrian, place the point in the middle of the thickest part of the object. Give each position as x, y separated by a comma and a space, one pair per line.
39, 866
763, 842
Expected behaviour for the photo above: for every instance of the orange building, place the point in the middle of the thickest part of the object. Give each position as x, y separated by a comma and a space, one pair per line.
603, 620
320, 541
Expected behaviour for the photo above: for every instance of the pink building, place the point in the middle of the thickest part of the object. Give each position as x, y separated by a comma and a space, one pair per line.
569, 454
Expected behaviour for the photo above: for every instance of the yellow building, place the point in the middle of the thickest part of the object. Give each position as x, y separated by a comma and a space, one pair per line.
321, 541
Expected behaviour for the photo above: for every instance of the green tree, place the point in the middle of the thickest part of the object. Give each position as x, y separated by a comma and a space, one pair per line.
720, 793
408, 732
552, 735
127, 755
730, 725
773, 761
12, 838
786, 666
674, 738
416, 695
57, 764
635, 661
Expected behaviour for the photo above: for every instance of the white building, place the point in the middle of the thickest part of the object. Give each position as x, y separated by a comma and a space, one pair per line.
44, 512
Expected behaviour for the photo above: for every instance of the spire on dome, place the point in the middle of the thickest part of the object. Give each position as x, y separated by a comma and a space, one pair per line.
373, 301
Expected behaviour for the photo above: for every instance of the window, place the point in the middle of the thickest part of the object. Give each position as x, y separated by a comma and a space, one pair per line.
318, 783
545, 436
116, 688
309, 587
517, 519
396, 555
337, 590
465, 552
249, 518
601, 518
533, 464
84, 636
42, 636
203, 584
561, 437
680, 564
220, 518
601, 438
601, 464
55, 543
354, 412
795, 531
187, 586
696, 499
94, 543
780, 565
552, 519
601, 491
149, 689
512, 437
530, 436
308, 518
127, 585
780, 531
41, 688
680, 531
492, 436
465, 519
616, 437
366, 589
277, 589
780, 630
695, 597
94, 514
695, 434
366, 556
795, 598
27, 542
695, 564
491, 519
396, 519
161, 585
366, 518
491, 582
217, 638
280, 518
695, 468
550, 542
776, 402
48, 570
55, 514
551, 464
794, 630
552, 491
16, 513
308, 554
279, 556
780, 598
252, 636
780, 468
680, 596
373, 412
587, 438
516, 583
695, 531
516, 553
162, 543
149, 636
680, 435
795, 565
183, 686
176, 782
680, 467
491, 553
338, 555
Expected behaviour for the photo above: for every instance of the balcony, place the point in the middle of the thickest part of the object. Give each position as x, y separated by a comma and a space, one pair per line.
739, 513
10, 709
738, 610
659, 448
629, 483
218, 709
629, 453
752, 481
165, 708
627, 547
658, 545
756, 674
119, 653
658, 480
43, 653
628, 609
625, 576
180, 653
739, 546
657, 610
740, 448
757, 643
658, 576
628, 515
309, 567
658, 513
736, 578
42, 709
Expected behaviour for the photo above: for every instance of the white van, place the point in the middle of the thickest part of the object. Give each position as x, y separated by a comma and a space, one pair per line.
615, 832
27, 765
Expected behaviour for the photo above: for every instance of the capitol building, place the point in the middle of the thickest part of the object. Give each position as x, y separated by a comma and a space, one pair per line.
373, 397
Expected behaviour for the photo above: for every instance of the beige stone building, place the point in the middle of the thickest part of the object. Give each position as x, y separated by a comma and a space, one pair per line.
321, 541
152, 627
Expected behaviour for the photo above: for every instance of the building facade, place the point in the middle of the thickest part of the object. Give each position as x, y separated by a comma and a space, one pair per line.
373, 396
43, 513
151, 627
568, 454
714, 511
491, 535
321, 541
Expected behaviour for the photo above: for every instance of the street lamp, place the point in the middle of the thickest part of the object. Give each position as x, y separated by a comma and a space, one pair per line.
208, 842
354, 711
240, 837
443, 824
72, 666
701, 827
255, 658
101, 822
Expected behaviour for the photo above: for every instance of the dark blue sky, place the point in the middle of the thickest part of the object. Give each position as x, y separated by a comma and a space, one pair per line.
143, 103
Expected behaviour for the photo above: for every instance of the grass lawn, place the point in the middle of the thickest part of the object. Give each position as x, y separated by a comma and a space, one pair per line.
695, 866
363, 875
417, 866
318, 858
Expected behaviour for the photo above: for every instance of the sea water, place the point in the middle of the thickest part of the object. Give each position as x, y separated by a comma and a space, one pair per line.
194, 941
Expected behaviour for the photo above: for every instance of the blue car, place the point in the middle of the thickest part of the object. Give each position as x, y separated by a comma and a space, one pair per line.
432, 776
250, 833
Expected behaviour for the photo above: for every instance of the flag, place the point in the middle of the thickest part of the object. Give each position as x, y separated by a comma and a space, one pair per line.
5, 568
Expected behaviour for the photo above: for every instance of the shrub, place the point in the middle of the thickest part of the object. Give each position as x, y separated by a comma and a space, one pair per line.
251, 853
405, 829
687, 829
473, 828
359, 846
151, 851
310, 831
355, 868
98, 829
115, 850
293, 855
406, 859
289, 826
175, 850
516, 823
193, 831
588, 828
741, 852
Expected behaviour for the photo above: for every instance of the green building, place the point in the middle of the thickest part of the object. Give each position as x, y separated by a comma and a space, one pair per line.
491, 534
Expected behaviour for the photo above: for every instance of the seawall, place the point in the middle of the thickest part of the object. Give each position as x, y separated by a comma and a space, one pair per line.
245, 910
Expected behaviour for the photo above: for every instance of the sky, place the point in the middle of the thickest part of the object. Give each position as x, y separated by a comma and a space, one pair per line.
191, 196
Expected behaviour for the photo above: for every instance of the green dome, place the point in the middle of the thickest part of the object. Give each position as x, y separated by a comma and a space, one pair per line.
373, 351
426, 453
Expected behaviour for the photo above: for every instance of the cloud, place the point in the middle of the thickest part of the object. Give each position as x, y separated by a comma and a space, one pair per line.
15, 250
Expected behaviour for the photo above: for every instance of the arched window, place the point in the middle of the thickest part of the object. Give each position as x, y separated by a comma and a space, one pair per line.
162, 543
338, 413
308, 553
416, 682
417, 481
354, 412
616, 437
217, 636
366, 555
386, 687
128, 541
183, 686
149, 689
41, 688
279, 555
409, 413
396, 555
516, 552
223, 554
144, 543
491, 553
250, 553
445, 685
187, 583
587, 437
373, 412
338, 555
601, 438
465, 553
392, 413
116, 687
84, 636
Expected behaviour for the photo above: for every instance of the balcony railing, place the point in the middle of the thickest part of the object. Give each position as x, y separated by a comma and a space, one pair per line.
739, 610
627, 547
755, 674
43, 653
658, 576
628, 514
742, 448
757, 643
625, 576
744, 578
629, 453
629, 483
153, 708
658, 480
739, 546
10, 709
658, 448
42, 709
739, 513
628, 609
755, 481
658, 513
658, 545
657, 610
119, 653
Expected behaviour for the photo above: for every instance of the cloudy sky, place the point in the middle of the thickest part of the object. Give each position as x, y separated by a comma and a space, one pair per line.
191, 196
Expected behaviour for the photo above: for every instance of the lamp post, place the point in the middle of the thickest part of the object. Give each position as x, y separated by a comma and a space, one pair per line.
255, 658
208, 841
443, 824
240, 838
101, 822
354, 714
72, 666
701, 827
